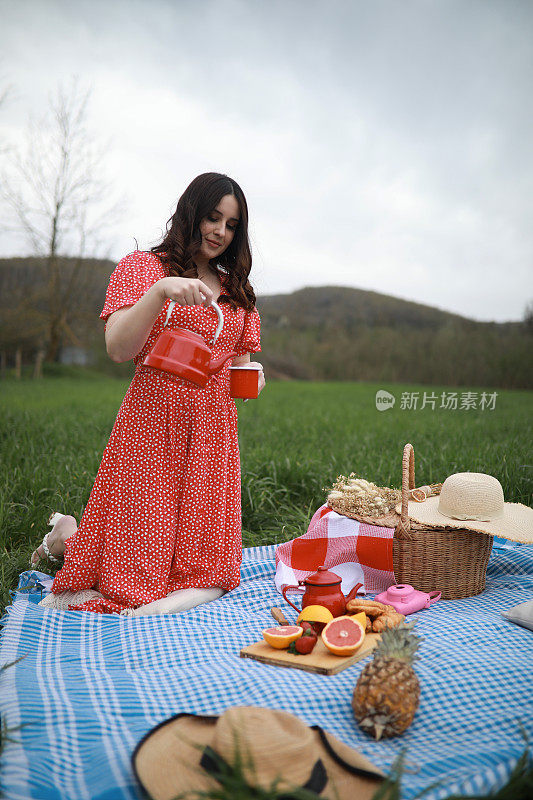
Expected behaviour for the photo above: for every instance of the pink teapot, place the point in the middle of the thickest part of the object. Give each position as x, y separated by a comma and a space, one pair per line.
323, 588
185, 354
406, 599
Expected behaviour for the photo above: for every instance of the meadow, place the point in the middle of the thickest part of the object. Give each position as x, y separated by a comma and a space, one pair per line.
295, 440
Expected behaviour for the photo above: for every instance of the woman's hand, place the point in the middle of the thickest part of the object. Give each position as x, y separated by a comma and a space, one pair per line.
185, 291
128, 328
262, 381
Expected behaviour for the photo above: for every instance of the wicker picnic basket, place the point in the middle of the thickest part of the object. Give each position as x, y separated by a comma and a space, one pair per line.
450, 560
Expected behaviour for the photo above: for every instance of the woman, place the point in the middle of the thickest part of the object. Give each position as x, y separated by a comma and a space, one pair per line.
164, 516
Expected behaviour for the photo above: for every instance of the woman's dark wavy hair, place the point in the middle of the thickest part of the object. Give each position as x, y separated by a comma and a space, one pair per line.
183, 238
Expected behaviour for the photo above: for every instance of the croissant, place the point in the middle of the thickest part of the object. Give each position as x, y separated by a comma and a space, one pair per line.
378, 615
371, 607
391, 620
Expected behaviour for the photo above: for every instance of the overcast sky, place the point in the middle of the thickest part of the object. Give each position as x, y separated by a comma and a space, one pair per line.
385, 145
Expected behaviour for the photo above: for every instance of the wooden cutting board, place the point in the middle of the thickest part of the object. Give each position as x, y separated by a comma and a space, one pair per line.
320, 660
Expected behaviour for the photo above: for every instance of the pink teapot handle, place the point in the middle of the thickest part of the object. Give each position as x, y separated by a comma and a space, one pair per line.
433, 597
220, 324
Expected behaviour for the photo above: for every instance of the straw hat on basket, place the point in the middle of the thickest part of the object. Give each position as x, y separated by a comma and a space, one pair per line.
474, 501
186, 753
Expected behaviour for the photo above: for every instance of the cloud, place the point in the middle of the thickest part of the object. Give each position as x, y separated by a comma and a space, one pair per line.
382, 145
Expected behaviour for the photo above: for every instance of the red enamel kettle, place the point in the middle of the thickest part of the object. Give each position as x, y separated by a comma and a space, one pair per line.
323, 588
185, 354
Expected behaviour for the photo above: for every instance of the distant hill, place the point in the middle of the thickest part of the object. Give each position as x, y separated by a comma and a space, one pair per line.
327, 306
334, 333
340, 333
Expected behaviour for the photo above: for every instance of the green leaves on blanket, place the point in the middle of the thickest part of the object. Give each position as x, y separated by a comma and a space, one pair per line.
518, 787
233, 784
5, 732
233, 781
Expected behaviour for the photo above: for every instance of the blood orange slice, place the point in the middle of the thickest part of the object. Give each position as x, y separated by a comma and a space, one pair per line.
343, 636
282, 636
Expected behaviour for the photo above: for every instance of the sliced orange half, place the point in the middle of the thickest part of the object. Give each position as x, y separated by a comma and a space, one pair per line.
282, 636
315, 613
343, 636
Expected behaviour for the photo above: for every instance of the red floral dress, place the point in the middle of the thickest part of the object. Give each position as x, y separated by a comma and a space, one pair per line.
165, 509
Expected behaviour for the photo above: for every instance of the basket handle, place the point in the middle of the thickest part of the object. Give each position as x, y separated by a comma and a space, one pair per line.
408, 483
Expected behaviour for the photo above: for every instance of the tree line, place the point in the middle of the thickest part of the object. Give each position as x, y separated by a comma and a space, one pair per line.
369, 337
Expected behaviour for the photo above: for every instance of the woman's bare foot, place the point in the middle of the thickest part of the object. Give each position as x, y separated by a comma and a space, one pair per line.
176, 602
65, 527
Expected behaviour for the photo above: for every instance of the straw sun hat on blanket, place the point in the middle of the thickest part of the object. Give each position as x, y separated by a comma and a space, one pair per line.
474, 501
185, 753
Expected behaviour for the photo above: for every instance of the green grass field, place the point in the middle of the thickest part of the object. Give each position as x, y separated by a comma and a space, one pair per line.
295, 440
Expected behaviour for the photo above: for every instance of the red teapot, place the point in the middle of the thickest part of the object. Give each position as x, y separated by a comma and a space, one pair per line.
185, 354
323, 588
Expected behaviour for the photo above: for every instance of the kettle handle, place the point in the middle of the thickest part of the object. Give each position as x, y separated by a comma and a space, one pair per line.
286, 589
220, 324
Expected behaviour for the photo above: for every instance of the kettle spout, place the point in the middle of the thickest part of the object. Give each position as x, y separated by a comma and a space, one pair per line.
353, 594
216, 364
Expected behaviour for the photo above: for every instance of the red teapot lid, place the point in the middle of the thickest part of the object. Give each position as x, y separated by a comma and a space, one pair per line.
323, 577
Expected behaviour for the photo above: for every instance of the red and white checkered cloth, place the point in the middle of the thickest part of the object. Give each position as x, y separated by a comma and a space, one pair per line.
355, 551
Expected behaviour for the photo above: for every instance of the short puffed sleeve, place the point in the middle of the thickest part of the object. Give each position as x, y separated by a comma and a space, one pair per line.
133, 276
250, 341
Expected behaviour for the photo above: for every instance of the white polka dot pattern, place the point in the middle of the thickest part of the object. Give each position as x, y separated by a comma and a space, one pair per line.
165, 509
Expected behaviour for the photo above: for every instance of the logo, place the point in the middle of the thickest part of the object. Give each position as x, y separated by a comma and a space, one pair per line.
384, 400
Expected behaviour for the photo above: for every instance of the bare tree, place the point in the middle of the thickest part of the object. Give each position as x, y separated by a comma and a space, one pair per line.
4, 94
61, 203
528, 317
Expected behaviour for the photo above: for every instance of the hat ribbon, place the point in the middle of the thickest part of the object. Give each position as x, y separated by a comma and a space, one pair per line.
222, 771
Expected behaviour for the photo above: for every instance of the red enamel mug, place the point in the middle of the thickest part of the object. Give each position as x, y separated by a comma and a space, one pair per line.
244, 381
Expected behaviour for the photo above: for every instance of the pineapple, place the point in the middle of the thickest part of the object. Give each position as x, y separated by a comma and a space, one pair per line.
386, 695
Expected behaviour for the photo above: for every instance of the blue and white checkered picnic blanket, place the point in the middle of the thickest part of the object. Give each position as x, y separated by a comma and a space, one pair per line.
92, 685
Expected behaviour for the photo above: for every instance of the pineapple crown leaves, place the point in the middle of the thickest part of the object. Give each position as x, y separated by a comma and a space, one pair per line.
399, 643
